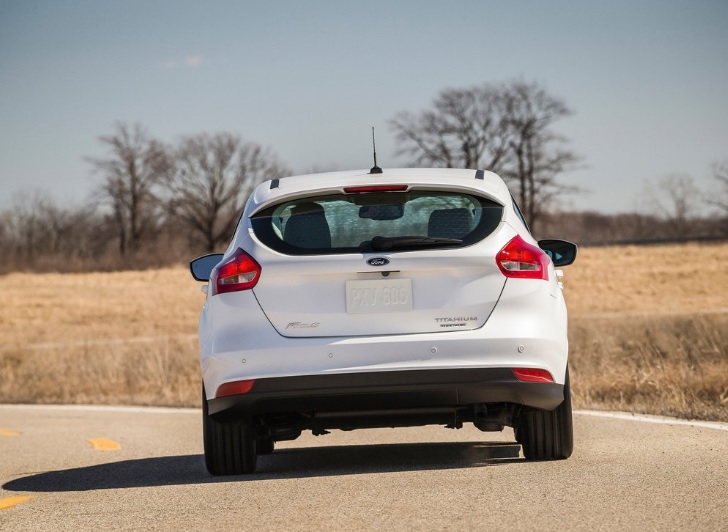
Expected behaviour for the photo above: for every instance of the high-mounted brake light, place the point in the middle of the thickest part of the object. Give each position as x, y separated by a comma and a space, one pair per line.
376, 188
239, 272
522, 260
532, 375
235, 388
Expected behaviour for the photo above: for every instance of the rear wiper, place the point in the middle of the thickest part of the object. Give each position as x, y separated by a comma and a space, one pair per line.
384, 243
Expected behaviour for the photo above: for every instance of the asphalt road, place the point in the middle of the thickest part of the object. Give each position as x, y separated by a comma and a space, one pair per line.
104, 469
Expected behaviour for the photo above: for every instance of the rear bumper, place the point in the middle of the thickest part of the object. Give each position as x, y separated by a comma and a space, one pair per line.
523, 331
347, 395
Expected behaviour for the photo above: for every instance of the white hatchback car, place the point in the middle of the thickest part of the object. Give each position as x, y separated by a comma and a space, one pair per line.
363, 299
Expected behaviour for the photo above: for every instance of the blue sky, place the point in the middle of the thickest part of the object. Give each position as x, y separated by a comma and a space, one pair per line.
647, 80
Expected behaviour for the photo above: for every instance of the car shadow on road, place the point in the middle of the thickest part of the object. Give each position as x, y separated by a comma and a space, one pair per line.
282, 464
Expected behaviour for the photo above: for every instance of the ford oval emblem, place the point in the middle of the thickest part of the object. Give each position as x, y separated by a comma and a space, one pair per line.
378, 261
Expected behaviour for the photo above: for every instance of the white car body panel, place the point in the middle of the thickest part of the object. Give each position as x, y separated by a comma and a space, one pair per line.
438, 178
253, 350
290, 285
520, 321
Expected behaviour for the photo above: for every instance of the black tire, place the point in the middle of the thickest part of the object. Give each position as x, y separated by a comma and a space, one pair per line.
518, 434
547, 434
229, 447
265, 446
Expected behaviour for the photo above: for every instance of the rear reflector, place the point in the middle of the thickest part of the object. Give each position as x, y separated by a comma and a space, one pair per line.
376, 188
522, 260
239, 272
235, 388
532, 375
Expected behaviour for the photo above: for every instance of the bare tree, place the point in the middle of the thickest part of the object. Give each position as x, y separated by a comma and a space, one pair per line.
213, 177
38, 234
136, 164
720, 197
675, 198
466, 128
25, 226
537, 155
505, 128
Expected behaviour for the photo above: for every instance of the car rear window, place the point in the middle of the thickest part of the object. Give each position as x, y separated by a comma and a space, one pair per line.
392, 221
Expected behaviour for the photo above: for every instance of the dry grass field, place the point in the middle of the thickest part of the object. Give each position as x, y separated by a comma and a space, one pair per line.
649, 333
649, 329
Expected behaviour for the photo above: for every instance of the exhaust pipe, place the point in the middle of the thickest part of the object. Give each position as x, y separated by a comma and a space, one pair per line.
483, 421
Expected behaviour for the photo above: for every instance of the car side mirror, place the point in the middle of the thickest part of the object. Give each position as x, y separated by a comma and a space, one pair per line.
201, 267
561, 252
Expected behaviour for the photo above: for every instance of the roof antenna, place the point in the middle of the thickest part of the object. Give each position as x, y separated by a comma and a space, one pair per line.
375, 169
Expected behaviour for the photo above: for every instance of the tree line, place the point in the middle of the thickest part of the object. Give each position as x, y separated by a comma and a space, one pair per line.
153, 204
157, 203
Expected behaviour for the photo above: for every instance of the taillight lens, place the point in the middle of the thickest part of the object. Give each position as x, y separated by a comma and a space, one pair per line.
235, 388
532, 375
522, 260
239, 272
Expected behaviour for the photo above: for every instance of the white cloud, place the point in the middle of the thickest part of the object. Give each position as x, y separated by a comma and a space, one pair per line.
191, 61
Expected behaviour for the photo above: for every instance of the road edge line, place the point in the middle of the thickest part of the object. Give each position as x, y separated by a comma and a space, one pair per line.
105, 408
661, 420
644, 418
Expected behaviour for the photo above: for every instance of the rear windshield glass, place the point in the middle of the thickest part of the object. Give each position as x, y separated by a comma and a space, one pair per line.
351, 223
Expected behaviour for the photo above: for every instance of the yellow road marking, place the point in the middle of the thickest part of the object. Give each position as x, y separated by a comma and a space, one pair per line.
9, 502
4, 432
104, 444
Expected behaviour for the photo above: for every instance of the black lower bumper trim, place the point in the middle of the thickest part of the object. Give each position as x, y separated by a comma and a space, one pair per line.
383, 392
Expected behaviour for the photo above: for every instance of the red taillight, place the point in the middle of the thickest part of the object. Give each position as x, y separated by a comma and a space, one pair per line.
532, 375
523, 260
235, 388
376, 188
239, 272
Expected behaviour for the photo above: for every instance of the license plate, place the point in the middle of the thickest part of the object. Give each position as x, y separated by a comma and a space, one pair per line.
384, 295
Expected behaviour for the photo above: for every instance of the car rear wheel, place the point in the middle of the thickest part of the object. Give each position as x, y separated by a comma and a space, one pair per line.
229, 447
518, 434
264, 446
547, 434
